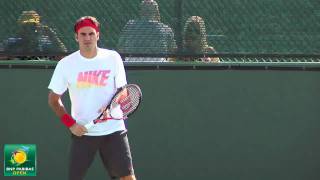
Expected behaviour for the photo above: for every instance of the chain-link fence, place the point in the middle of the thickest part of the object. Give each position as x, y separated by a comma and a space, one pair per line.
164, 28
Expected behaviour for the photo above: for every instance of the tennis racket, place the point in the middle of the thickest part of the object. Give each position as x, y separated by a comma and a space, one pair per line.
122, 105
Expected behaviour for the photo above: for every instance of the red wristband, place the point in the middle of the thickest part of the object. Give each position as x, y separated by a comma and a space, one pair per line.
67, 120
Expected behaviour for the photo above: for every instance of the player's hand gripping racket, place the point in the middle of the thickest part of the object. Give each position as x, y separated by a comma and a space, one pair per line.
122, 105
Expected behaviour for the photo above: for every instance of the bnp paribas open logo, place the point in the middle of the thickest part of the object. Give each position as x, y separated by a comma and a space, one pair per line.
20, 160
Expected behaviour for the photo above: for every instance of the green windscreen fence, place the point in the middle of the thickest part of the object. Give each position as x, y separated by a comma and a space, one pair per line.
164, 28
245, 123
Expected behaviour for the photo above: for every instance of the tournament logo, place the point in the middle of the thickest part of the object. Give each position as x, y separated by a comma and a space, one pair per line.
20, 160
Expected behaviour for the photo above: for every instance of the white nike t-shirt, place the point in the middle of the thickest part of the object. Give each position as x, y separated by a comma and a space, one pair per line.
91, 84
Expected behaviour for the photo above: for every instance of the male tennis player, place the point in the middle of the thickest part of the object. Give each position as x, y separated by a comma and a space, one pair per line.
92, 75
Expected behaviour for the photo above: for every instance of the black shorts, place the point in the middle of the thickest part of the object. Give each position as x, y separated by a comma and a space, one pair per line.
114, 151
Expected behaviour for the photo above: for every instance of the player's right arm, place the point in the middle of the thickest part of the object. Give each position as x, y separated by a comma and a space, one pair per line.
55, 102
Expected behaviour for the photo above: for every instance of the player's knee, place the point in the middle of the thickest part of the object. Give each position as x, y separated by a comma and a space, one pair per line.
130, 177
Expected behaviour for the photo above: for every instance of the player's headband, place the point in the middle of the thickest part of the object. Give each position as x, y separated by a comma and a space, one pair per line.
85, 22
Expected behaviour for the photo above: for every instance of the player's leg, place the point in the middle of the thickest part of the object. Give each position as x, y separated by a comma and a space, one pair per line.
131, 177
82, 152
116, 156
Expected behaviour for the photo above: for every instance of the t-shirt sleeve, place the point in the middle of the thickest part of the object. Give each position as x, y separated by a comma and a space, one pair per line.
120, 76
58, 83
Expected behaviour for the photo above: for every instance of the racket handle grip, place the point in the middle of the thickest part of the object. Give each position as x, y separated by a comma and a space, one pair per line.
89, 125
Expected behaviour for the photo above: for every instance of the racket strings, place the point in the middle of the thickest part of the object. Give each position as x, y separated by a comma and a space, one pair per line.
128, 104
131, 101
